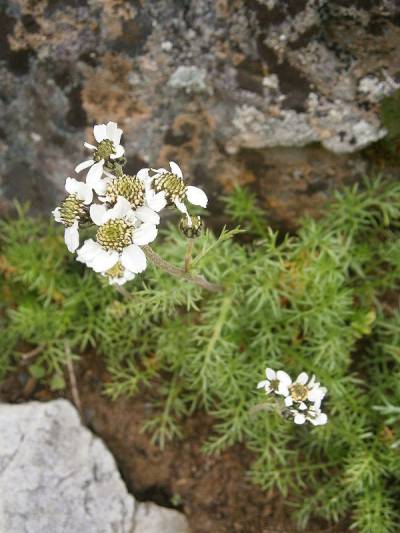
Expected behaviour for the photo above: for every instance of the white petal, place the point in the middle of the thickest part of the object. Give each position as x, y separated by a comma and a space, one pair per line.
284, 377
302, 406
175, 169
121, 208
84, 165
145, 214
89, 146
262, 384
119, 152
71, 237
97, 213
133, 259
85, 193
299, 418
143, 175
100, 186
104, 260
56, 214
95, 173
88, 251
196, 196
320, 420
71, 185
288, 401
111, 128
157, 201
271, 374
144, 234
302, 378
316, 394
100, 132
181, 206
282, 389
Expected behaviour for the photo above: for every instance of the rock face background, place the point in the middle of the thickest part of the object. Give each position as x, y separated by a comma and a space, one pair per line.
279, 94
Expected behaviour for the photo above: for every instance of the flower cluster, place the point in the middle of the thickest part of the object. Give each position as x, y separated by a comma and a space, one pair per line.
301, 398
126, 213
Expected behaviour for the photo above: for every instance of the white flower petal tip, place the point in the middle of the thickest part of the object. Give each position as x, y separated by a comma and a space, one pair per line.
133, 259
284, 377
85, 164
302, 378
56, 214
100, 132
145, 234
71, 237
175, 169
196, 196
262, 384
271, 374
299, 419
97, 213
145, 214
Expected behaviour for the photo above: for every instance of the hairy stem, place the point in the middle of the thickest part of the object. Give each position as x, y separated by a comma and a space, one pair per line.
180, 272
188, 255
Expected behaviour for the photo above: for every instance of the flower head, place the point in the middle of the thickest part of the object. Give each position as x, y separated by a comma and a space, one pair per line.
121, 231
302, 398
73, 210
175, 190
108, 149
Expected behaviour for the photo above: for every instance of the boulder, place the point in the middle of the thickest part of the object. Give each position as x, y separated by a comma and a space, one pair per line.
57, 477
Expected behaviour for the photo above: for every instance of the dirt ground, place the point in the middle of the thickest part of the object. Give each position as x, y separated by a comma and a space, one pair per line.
214, 491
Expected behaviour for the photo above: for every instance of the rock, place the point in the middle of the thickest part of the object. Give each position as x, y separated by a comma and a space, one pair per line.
55, 476
151, 518
213, 84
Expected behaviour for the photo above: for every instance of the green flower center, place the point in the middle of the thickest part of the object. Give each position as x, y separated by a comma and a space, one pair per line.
104, 150
72, 209
130, 187
173, 185
117, 271
298, 392
192, 231
114, 235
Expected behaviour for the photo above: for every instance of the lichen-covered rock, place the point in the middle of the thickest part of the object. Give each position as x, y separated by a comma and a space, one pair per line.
218, 85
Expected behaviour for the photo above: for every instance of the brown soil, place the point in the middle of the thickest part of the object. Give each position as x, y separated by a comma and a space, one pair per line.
214, 492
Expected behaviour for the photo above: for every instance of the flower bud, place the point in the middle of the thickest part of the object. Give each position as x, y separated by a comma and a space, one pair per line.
191, 227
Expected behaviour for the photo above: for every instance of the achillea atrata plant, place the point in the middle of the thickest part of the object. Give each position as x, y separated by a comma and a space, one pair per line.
323, 302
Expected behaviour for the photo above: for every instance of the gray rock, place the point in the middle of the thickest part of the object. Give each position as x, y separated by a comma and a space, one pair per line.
151, 518
56, 477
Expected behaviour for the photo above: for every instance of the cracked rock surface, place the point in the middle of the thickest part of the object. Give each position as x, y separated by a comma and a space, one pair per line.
55, 476
280, 94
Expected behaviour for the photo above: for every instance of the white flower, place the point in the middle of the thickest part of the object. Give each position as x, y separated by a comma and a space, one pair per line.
108, 137
271, 383
137, 189
313, 415
171, 183
299, 392
120, 234
72, 210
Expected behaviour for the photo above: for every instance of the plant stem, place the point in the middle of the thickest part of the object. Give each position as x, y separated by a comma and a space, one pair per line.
180, 272
188, 255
